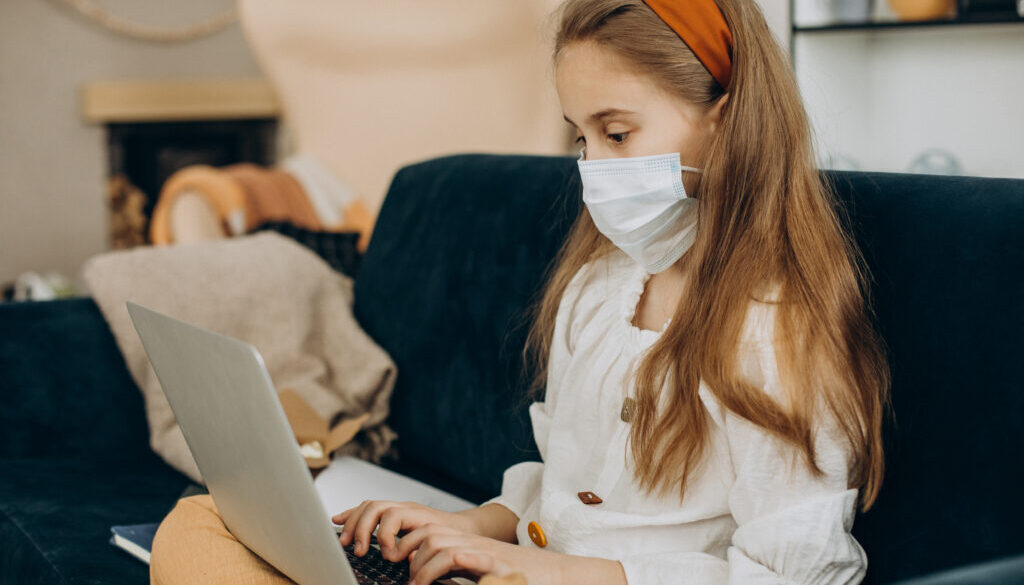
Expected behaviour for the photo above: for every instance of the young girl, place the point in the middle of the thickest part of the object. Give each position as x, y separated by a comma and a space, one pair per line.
714, 387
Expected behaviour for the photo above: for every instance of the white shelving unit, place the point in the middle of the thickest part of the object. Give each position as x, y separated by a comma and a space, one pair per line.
879, 95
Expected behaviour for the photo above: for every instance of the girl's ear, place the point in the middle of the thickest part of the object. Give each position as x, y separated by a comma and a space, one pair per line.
714, 115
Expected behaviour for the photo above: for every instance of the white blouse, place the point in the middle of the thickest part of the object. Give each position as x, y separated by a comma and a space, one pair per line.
750, 517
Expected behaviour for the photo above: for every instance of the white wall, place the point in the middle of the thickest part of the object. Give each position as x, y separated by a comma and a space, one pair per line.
776, 12
52, 165
883, 97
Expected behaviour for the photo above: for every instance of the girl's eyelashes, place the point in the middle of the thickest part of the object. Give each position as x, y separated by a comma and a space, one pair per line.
618, 138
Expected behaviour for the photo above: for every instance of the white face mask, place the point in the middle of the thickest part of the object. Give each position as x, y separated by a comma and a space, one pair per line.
641, 206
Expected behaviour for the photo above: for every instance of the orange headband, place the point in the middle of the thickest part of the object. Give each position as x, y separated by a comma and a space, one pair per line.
703, 28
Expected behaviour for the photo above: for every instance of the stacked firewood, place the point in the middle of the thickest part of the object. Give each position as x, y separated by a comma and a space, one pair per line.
126, 203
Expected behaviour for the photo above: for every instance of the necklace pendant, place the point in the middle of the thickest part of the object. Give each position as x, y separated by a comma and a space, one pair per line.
628, 409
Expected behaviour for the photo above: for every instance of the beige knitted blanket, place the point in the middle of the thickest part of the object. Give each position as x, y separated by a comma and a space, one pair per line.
263, 289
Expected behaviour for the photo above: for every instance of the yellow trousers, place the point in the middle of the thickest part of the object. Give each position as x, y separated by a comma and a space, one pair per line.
193, 546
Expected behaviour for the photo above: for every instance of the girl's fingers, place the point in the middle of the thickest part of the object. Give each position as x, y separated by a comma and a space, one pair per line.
367, 523
440, 563
410, 542
398, 518
392, 521
434, 541
352, 516
340, 518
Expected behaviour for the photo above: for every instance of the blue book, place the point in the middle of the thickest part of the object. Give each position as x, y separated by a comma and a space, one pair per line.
136, 539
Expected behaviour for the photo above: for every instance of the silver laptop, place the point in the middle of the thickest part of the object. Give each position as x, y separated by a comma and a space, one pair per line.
228, 410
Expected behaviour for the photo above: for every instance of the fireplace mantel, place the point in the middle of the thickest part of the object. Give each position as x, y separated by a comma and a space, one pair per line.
169, 101
155, 128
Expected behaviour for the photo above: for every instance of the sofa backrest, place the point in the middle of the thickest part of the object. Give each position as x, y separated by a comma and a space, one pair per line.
457, 254
947, 255
460, 250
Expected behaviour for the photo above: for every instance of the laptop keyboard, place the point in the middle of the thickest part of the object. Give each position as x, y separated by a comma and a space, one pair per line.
373, 569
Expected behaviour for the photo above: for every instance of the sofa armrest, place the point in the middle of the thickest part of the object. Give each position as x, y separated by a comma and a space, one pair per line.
65, 390
1008, 571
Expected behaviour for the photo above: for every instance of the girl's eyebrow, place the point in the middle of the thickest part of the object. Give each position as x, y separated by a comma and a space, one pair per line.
599, 116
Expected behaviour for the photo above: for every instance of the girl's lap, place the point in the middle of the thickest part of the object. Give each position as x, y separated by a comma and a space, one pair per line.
192, 545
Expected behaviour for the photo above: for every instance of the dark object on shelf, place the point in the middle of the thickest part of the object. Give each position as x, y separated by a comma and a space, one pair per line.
1005, 7
338, 249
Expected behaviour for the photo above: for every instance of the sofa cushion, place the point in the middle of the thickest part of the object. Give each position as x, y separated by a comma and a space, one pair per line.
56, 514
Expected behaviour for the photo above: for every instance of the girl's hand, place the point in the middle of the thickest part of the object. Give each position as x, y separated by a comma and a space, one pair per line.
393, 518
437, 551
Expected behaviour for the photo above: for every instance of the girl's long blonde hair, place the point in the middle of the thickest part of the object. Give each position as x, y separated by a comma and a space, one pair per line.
765, 218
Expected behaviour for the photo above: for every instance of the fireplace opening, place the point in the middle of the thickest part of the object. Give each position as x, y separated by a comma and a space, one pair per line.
142, 155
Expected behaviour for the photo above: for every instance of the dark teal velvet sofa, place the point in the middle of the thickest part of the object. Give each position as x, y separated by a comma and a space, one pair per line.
459, 251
